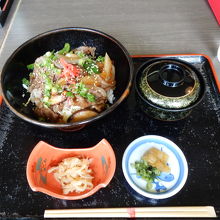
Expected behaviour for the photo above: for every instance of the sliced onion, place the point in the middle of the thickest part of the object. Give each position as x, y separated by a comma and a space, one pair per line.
97, 91
82, 115
86, 50
103, 83
108, 73
89, 80
70, 59
107, 65
98, 107
56, 99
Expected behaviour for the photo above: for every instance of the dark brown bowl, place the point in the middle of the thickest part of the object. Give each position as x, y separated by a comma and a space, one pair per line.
15, 69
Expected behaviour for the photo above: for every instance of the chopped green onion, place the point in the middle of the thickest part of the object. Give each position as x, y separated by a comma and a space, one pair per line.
54, 57
65, 49
30, 66
91, 67
50, 65
47, 79
81, 62
47, 104
146, 172
47, 62
46, 99
48, 87
47, 93
80, 54
25, 82
51, 55
59, 88
54, 90
90, 97
69, 94
83, 91
100, 59
58, 71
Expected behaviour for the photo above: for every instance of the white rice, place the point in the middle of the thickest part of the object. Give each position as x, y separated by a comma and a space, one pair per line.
110, 96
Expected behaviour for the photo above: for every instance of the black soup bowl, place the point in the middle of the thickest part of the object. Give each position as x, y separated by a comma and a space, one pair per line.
168, 89
15, 69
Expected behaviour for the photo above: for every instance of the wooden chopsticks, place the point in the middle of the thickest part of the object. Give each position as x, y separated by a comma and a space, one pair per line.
184, 212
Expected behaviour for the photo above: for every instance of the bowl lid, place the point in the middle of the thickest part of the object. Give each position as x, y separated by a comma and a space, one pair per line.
170, 83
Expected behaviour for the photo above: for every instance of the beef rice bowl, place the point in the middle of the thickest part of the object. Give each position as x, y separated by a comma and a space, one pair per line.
75, 76
70, 85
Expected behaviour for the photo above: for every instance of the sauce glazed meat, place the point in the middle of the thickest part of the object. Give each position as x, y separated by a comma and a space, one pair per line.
70, 85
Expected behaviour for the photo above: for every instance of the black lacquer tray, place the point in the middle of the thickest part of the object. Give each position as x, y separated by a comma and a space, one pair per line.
198, 136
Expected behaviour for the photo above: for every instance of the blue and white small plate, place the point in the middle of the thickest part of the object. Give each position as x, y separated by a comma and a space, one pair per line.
167, 184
